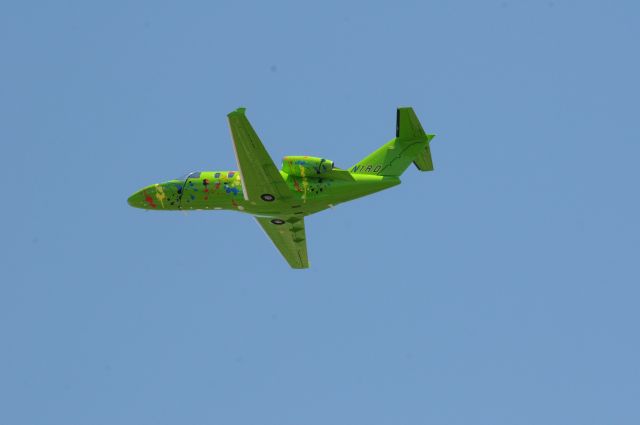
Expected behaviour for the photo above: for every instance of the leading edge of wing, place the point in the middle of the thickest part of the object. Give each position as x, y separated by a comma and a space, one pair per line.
288, 235
257, 170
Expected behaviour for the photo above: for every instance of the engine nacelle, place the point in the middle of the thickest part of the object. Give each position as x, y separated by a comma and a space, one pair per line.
306, 166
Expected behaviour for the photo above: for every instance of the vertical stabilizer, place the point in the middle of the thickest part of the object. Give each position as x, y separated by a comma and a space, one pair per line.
411, 144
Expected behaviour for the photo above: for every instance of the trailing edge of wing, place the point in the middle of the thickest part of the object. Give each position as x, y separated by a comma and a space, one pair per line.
259, 175
288, 235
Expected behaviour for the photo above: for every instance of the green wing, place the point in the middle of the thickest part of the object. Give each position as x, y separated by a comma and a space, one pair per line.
288, 235
261, 180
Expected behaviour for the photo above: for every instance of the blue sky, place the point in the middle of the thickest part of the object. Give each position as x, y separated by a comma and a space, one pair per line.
501, 288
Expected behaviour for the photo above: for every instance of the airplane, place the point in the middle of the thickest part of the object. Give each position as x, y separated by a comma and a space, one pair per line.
280, 199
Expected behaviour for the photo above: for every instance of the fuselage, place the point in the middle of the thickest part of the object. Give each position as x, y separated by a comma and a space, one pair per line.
222, 190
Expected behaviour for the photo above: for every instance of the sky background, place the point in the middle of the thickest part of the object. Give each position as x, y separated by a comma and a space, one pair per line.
500, 289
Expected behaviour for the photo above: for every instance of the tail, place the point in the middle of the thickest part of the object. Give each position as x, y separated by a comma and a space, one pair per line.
411, 144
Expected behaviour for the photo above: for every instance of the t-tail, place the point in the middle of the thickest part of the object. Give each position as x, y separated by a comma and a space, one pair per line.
411, 144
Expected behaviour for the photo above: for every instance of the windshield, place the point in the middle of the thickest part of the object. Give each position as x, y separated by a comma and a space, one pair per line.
193, 175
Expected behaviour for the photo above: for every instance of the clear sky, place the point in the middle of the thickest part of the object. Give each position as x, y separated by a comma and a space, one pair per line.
502, 288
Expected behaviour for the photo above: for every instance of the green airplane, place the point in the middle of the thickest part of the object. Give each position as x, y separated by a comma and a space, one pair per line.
304, 185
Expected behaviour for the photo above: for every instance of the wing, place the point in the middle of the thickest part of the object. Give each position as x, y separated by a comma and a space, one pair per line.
288, 235
261, 180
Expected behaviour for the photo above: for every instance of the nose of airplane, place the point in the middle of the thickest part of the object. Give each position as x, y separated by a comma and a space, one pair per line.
161, 196
138, 199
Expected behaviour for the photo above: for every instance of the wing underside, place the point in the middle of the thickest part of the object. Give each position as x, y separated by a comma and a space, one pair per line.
261, 180
288, 235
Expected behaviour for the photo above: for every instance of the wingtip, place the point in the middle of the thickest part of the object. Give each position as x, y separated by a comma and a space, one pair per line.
239, 111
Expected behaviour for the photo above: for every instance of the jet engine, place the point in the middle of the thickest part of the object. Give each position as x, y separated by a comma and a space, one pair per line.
306, 166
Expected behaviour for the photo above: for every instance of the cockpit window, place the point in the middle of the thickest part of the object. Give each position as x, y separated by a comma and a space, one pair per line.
192, 175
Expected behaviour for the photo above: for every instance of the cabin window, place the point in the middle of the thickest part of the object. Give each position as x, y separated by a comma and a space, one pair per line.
216, 176
231, 174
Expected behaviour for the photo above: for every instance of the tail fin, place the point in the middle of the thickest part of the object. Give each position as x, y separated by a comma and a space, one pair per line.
410, 145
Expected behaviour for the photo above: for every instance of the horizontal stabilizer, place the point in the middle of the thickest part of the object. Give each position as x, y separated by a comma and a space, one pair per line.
408, 126
423, 161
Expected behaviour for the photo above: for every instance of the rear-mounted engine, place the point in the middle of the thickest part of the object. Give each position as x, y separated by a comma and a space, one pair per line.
306, 166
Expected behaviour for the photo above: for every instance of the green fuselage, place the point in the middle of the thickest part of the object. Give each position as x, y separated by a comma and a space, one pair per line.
279, 199
222, 190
